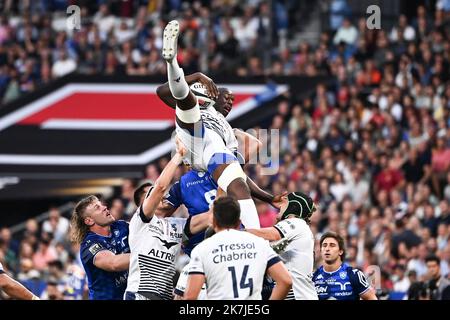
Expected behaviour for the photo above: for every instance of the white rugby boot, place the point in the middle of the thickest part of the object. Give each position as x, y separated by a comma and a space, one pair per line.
170, 39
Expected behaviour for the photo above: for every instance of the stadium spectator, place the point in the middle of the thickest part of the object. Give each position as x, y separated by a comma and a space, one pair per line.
438, 285
63, 65
57, 225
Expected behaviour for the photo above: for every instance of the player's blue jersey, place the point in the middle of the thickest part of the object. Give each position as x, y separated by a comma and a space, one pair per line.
345, 283
197, 191
104, 285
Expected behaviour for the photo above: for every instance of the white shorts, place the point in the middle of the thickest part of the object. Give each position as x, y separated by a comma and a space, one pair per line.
205, 148
180, 288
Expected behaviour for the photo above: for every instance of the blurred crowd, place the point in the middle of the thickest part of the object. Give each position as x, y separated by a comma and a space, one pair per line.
372, 148
40, 42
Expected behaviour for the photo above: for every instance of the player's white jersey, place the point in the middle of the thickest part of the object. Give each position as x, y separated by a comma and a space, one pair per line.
154, 246
1, 268
296, 249
214, 120
234, 264
180, 288
213, 135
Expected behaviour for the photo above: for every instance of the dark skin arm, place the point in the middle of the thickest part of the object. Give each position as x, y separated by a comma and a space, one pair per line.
264, 196
163, 91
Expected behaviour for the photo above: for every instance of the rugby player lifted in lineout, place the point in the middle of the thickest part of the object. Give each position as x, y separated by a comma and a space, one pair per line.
206, 138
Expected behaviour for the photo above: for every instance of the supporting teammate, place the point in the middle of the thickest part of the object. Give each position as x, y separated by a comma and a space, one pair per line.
155, 242
233, 263
293, 240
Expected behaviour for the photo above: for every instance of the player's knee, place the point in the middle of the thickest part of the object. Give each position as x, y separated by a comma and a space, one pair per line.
233, 180
188, 116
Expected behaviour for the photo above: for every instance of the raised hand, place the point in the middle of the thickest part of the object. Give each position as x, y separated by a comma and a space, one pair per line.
279, 200
211, 87
181, 149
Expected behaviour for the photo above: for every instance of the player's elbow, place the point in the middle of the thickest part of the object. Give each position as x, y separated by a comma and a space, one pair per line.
284, 279
161, 187
287, 281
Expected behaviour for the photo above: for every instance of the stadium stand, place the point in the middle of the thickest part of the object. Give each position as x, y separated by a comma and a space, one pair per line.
372, 147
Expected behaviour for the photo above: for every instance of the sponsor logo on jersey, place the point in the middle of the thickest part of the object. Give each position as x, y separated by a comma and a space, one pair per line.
121, 280
96, 247
162, 255
320, 289
166, 244
155, 229
194, 183
343, 286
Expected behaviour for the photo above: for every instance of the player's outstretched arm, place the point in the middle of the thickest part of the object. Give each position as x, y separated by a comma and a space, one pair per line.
163, 91
15, 289
270, 233
194, 286
200, 222
259, 193
283, 280
108, 261
162, 184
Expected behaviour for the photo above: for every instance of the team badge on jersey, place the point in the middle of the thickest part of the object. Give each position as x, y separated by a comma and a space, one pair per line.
343, 274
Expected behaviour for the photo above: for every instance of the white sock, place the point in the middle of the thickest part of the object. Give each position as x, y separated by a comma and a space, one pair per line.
249, 215
177, 84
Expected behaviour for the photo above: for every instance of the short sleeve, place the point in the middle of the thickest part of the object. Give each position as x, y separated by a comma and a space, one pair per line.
361, 283
174, 196
288, 228
142, 216
89, 250
196, 265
